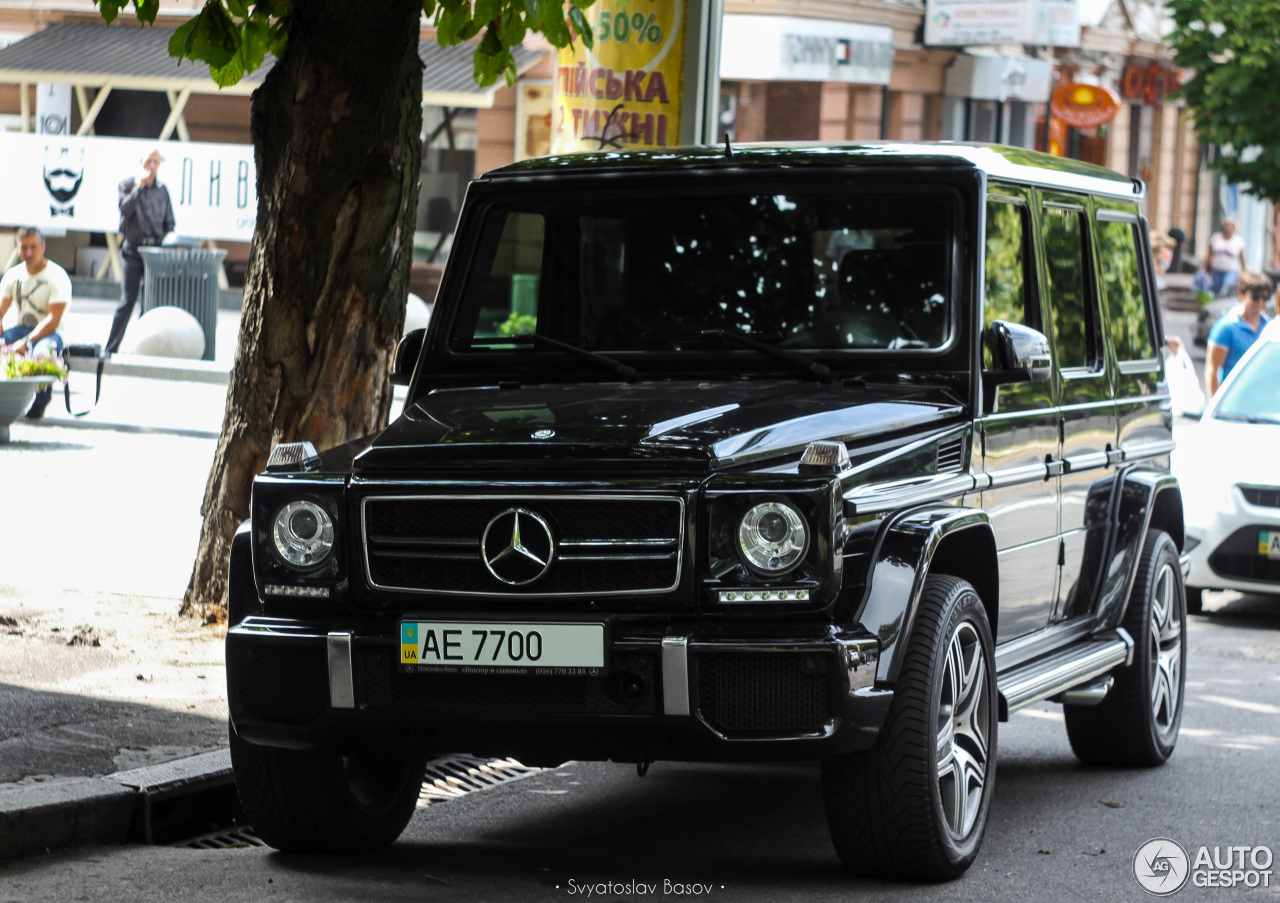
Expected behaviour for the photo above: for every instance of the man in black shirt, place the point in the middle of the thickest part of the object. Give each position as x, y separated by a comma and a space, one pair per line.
146, 216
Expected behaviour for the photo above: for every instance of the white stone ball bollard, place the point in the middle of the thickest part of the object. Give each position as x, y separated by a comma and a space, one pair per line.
166, 332
417, 314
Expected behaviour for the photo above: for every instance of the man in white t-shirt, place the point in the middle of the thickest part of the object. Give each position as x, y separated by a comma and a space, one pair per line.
1225, 260
40, 291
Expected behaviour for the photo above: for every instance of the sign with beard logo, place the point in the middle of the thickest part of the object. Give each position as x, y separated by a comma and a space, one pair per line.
71, 183
63, 173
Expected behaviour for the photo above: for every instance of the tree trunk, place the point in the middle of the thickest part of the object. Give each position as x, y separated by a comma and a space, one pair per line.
337, 140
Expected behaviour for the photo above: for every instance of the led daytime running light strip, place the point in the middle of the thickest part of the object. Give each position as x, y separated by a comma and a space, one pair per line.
764, 595
312, 592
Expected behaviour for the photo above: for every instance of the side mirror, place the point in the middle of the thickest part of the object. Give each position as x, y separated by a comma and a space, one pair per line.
1021, 354
406, 357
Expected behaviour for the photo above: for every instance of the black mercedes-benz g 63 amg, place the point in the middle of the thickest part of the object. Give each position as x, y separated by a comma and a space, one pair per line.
839, 453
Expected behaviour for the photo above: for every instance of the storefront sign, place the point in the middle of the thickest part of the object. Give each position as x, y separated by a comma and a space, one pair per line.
1000, 78
627, 90
1148, 84
1084, 106
1052, 23
65, 182
53, 108
786, 48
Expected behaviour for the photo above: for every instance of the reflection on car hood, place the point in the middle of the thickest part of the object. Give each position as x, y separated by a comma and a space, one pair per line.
707, 425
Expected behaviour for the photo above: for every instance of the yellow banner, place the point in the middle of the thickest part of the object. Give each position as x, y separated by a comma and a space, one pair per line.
626, 91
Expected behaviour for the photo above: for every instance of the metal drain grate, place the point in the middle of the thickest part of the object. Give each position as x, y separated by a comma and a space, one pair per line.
453, 776
446, 778
230, 839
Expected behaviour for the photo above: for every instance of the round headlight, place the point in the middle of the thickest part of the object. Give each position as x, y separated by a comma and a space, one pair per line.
303, 534
772, 537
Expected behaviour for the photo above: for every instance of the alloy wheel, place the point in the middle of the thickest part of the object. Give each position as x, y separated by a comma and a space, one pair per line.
963, 730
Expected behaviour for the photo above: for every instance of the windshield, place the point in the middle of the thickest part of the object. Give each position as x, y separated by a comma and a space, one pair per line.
1254, 394
818, 268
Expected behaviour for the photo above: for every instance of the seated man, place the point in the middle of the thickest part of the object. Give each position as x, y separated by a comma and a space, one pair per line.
41, 290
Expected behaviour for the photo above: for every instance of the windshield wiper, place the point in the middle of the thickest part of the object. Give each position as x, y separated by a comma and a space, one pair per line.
601, 360
809, 365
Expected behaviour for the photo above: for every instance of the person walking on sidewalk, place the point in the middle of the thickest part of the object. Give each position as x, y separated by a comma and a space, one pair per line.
146, 216
41, 291
1226, 258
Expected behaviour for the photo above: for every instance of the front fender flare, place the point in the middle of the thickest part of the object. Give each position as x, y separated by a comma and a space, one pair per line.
904, 552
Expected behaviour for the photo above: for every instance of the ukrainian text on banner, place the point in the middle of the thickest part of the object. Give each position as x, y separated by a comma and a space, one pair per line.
626, 90
62, 182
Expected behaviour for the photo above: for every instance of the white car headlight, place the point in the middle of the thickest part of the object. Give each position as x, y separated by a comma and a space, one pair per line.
772, 538
303, 535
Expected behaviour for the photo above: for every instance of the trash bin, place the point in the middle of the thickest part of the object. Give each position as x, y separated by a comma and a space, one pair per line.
185, 278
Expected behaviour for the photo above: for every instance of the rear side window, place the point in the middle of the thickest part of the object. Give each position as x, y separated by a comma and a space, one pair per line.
1006, 287
1068, 288
1122, 291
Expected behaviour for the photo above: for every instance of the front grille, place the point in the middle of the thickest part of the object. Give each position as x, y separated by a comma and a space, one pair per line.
775, 693
385, 688
1263, 496
1238, 557
602, 544
278, 682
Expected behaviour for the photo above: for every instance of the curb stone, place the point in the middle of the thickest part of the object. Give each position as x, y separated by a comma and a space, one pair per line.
104, 810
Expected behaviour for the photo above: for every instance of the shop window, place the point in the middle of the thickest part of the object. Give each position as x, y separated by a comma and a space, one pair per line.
448, 165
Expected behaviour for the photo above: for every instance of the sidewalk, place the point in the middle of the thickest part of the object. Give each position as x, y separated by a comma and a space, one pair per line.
98, 675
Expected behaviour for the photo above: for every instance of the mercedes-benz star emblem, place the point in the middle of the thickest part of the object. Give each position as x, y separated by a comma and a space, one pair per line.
517, 547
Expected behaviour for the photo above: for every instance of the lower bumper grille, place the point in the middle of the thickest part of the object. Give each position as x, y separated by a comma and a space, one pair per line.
1238, 558
764, 693
279, 682
1262, 496
385, 688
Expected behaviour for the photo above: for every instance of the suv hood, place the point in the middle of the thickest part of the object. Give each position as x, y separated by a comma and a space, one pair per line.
706, 425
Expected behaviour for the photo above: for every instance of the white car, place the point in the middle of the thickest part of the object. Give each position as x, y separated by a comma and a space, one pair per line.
1231, 480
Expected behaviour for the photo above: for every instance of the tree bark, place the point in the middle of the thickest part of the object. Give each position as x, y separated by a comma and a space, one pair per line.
336, 130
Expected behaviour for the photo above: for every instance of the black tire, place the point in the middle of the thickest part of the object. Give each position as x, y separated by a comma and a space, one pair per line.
1195, 600
1137, 723
320, 802
893, 810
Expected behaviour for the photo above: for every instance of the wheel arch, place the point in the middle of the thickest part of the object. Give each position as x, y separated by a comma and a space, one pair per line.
951, 540
1148, 501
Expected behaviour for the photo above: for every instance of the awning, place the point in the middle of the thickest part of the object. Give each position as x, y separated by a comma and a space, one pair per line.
448, 74
137, 58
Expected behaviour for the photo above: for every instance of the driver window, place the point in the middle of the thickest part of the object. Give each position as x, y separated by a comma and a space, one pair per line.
1005, 282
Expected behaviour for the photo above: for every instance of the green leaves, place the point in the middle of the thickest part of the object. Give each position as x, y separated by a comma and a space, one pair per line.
234, 36
1234, 48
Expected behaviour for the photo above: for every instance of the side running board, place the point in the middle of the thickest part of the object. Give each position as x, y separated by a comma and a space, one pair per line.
1062, 670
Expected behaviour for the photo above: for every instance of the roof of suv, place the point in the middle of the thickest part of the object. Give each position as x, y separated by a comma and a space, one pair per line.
1014, 164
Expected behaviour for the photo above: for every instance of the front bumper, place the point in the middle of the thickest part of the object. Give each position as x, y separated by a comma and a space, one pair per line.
753, 692
1223, 546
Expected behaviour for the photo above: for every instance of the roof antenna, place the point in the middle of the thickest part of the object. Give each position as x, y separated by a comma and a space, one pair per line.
728, 148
